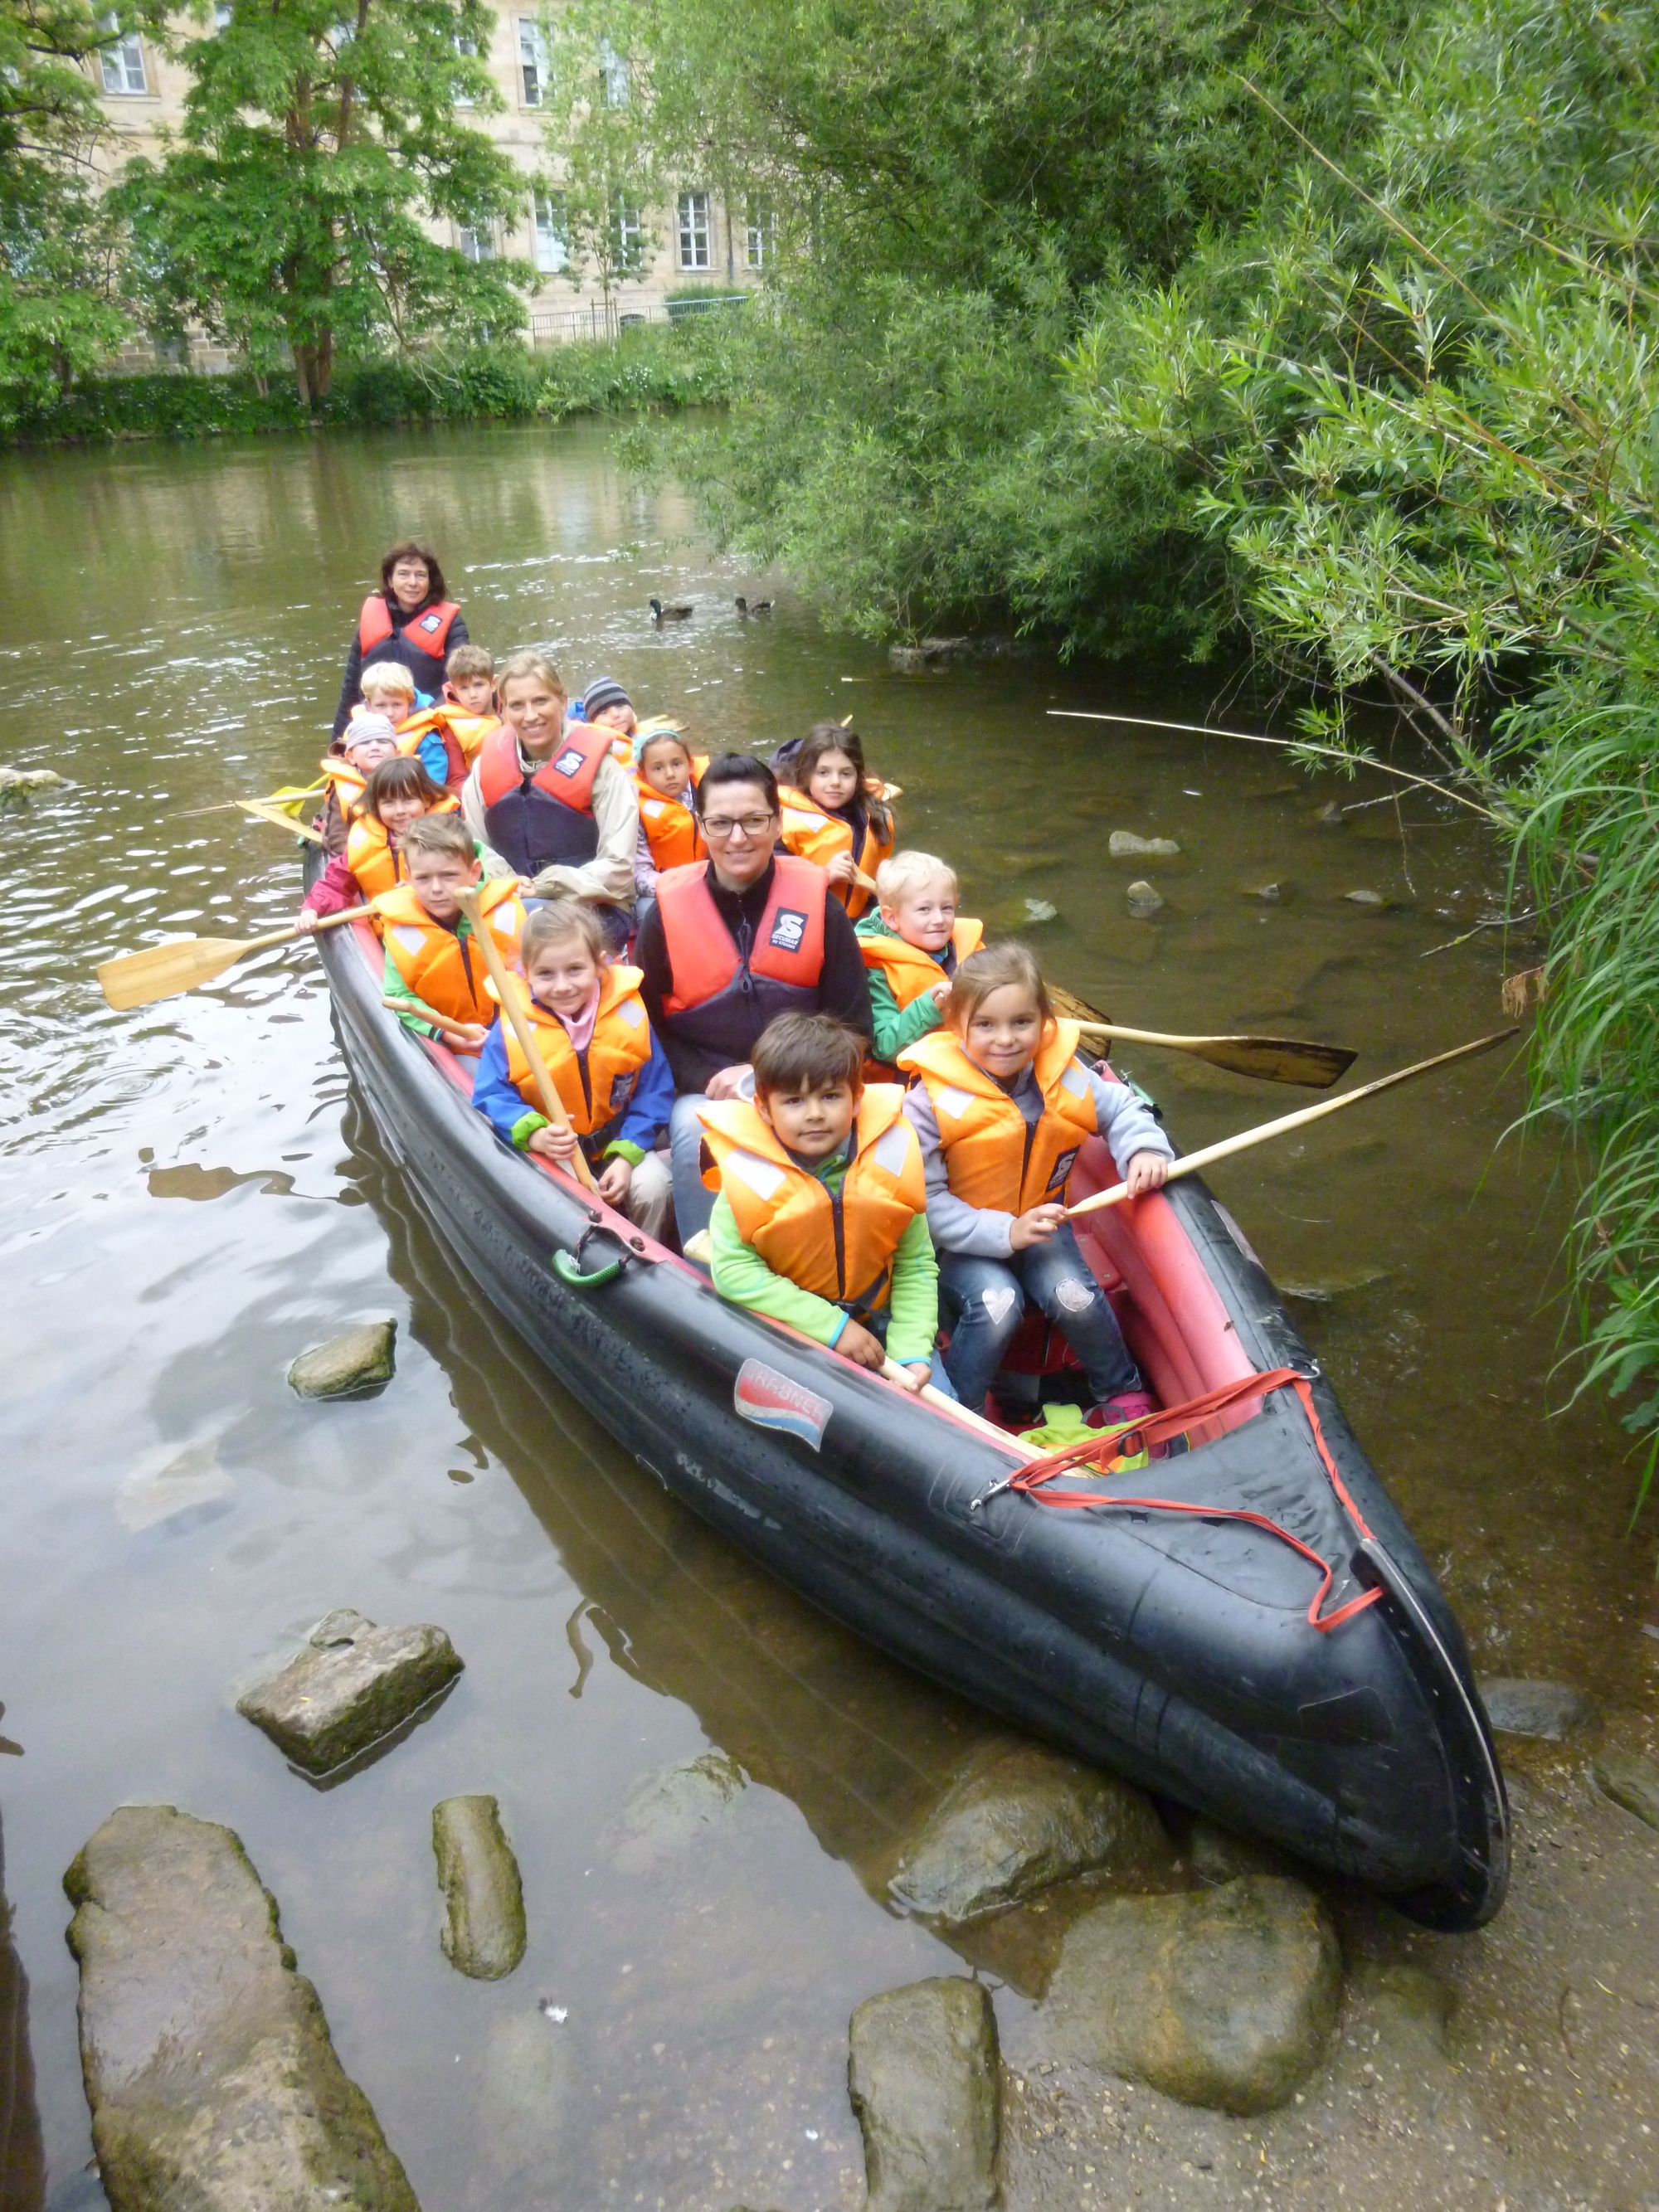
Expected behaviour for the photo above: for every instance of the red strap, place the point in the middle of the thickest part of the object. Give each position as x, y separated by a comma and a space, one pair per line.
1108, 1453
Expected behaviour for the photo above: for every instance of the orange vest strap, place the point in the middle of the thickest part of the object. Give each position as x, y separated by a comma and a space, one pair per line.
568, 776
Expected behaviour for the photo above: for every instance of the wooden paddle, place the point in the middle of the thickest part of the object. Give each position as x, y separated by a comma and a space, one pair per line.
1272, 1059
136, 979
267, 810
552, 1104
893, 1373
1207, 1154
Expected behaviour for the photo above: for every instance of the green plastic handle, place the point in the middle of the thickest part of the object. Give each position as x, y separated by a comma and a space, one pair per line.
576, 1277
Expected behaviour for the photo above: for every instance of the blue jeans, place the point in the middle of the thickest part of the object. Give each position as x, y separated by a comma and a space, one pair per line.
981, 1302
694, 1206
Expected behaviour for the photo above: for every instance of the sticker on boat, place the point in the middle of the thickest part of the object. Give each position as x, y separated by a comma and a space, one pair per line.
771, 1400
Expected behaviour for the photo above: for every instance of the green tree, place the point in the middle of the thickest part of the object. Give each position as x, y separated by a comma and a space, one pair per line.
62, 304
600, 136
320, 139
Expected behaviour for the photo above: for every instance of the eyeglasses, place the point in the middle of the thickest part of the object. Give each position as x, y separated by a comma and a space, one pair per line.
719, 827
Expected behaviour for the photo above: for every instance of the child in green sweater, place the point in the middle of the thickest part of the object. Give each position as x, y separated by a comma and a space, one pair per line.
911, 945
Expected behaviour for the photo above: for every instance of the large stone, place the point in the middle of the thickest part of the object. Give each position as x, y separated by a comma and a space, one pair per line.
1124, 844
1630, 1780
362, 1359
1223, 1997
351, 1685
1145, 898
483, 1932
208, 2064
1019, 1821
19, 785
1547, 1708
923, 2075
672, 1808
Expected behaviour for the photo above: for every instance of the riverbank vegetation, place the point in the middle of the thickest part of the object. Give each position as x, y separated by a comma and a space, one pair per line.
1327, 335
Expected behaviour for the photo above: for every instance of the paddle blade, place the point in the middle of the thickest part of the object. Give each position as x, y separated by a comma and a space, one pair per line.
1278, 1059
161, 971
1071, 1008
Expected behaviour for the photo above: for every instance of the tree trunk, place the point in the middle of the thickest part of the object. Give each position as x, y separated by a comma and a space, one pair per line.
313, 368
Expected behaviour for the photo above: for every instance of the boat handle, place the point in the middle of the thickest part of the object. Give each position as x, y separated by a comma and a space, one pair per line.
567, 1265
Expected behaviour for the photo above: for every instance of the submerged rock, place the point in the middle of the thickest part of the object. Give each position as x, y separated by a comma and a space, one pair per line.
1364, 898
1552, 1710
1019, 1821
1273, 893
208, 2064
673, 1807
1123, 844
1038, 910
1632, 1782
359, 1360
483, 1933
1216, 1855
923, 2075
926, 652
351, 1685
1145, 898
1223, 1997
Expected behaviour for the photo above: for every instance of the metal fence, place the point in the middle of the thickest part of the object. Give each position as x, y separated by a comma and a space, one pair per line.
605, 318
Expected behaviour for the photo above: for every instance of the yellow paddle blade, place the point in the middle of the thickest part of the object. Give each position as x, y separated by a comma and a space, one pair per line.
290, 798
266, 810
161, 971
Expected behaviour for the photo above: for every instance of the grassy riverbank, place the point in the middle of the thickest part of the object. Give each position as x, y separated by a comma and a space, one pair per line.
677, 365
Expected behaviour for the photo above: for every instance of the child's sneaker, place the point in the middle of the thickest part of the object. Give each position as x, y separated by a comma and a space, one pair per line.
1128, 1406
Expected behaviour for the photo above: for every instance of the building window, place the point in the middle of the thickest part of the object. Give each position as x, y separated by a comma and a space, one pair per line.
124, 62
627, 234
613, 75
468, 49
532, 60
694, 230
552, 250
763, 248
476, 244
221, 15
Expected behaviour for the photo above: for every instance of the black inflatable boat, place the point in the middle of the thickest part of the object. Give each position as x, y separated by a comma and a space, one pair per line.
1260, 1639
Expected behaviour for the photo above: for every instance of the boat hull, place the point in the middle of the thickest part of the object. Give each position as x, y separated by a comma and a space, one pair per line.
1175, 1648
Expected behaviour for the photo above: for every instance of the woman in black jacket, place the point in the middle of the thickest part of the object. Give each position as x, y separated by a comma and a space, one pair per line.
408, 619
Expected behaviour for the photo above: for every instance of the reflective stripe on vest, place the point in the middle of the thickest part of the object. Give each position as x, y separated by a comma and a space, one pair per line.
669, 826
369, 855
718, 1002
911, 971
595, 1086
542, 819
842, 1248
994, 1158
441, 969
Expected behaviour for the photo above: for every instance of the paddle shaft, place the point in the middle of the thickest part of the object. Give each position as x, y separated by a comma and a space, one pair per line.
929, 1396
1207, 1154
552, 1104
262, 810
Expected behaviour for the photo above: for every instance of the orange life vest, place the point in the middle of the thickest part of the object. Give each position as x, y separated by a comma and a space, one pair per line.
840, 1248
427, 631
345, 783
595, 1086
438, 965
372, 857
816, 836
993, 1158
718, 1002
909, 971
545, 817
669, 826
462, 736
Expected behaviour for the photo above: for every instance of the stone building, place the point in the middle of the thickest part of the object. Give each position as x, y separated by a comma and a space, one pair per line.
698, 244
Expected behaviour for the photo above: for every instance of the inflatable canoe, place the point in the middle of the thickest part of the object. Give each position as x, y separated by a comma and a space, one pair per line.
1244, 1626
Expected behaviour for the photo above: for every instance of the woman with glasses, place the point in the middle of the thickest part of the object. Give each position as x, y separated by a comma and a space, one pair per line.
732, 942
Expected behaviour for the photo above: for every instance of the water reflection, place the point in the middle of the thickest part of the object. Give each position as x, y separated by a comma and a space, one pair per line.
23, 2155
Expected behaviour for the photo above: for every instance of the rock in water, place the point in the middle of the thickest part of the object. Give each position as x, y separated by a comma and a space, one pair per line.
359, 1360
352, 1683
22, 784
484, 1932
1545, 1709
1632, 1782
1225, 1996
672, 1808
207, 2059
1020, 1819
1364, 898
1038, 910
1123, 845
1144, 897
922, 2074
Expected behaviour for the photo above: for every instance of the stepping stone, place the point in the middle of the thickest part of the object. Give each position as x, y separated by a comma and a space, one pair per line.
1551, 1710
483, 1933
922, 2074
362, 1359
353, 1684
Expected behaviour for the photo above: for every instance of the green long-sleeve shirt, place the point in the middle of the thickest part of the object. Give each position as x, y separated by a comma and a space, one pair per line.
897, 1026
413, 1012
742, 1276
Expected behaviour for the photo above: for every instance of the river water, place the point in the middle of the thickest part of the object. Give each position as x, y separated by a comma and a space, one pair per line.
192, 1197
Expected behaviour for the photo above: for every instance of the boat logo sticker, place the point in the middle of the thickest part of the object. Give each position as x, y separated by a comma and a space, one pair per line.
570, 763
788, 927
771, 1400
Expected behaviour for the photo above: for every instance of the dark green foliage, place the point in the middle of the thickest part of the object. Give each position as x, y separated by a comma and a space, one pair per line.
657, 366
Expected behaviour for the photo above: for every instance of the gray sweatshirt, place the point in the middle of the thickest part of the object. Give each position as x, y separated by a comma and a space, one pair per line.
983, 1231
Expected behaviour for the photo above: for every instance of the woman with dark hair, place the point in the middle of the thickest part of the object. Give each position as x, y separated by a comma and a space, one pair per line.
409, 620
